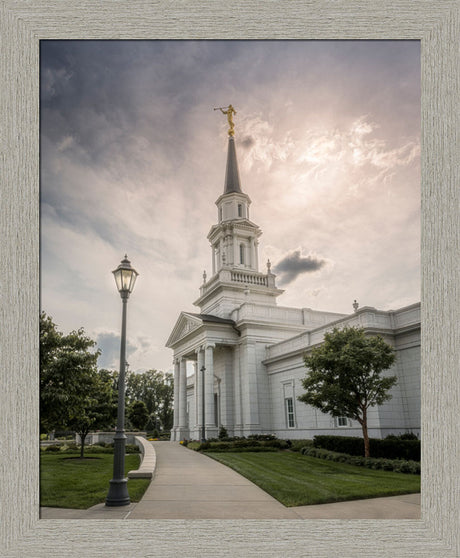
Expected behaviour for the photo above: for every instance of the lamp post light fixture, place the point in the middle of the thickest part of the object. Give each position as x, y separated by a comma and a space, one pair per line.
203, 431
125, 277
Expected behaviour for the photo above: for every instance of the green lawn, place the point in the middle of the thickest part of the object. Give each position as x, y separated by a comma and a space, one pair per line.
298, 480
80, 484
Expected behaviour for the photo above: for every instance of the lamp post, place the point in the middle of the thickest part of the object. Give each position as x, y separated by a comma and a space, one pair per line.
125, 277
203, 431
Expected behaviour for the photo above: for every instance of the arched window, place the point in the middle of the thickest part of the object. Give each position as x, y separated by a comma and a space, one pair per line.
241, 253
220, 214
240, 210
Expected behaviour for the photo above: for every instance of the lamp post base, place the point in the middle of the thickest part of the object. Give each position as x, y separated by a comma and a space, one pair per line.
118, 493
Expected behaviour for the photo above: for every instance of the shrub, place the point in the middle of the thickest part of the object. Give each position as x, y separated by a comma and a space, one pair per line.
223, 433
396, 465
53, 448
408, 436
132, 448
391, 447
297, 445
72, 447
249, 444
98, 449
246, 450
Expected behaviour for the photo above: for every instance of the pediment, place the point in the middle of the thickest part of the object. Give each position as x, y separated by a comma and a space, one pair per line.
185, 324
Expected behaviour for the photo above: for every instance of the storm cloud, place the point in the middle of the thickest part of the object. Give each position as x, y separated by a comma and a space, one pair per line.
247, 142
295, 264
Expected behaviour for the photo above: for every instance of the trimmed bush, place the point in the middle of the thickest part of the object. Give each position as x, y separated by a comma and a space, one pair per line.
396, 465
246, 444
262, 437
391, 447
223, 434
297, 445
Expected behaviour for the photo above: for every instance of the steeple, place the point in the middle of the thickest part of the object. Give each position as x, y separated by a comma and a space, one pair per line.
232, 176
234, 241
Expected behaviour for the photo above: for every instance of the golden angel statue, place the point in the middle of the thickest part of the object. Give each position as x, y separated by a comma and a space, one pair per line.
229, 112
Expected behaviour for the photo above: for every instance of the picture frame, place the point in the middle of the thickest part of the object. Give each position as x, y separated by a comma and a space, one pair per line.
23, 25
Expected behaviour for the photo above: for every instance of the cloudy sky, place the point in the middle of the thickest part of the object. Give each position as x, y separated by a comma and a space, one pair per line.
133, 159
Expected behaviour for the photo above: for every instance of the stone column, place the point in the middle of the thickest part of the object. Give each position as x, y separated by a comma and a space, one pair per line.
176, 399
250, 395
236, 250
213, 259
199, 393
211, 429
226, 391
237, 392
195, 396
253, 252
200, 360
183, 399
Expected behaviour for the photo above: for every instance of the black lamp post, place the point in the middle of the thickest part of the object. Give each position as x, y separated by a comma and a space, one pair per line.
203, 432
125, 277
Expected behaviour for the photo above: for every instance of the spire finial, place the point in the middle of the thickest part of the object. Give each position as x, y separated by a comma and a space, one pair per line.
204, 276
229, 112
355, 306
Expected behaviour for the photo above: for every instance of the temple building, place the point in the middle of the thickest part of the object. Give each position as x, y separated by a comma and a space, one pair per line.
238, 361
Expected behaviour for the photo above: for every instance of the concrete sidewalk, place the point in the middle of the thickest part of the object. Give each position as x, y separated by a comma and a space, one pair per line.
189, 485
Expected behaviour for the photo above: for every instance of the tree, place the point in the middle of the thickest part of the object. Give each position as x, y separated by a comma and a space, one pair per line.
66, 363
95, 408
156, 390
345, 375
138, 414
73, 394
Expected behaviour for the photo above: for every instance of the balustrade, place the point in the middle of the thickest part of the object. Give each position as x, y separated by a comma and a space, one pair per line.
250, 278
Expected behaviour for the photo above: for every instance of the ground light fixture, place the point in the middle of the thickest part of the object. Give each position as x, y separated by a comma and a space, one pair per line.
125, 278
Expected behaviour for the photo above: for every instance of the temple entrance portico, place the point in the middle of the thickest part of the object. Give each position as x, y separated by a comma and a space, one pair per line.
201, 342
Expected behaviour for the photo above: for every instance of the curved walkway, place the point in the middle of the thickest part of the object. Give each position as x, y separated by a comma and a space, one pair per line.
189, 485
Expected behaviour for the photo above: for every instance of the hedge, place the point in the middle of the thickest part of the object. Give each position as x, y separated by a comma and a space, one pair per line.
244, 444
395, 465
391, 447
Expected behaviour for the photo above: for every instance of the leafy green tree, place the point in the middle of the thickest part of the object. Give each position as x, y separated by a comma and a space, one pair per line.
138, 414
156, 390
73, 394
95, 408
345, 375
66, 364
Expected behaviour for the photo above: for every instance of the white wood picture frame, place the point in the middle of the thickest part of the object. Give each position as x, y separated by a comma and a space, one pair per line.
23, 23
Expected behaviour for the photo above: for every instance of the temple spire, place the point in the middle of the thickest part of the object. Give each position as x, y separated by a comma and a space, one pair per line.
232, 176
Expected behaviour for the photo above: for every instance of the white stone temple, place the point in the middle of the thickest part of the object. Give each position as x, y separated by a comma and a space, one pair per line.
247, 352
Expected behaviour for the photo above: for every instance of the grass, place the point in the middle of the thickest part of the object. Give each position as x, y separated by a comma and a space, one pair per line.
298, 480
69, 482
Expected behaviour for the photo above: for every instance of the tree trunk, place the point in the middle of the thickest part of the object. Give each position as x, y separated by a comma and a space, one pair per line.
365, 434
82, 449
